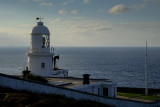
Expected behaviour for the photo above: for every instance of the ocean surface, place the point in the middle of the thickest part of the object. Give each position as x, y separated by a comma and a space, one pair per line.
125, 65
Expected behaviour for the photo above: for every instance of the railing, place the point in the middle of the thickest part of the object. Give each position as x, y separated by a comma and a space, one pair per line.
32, 50
35, 50
51, 49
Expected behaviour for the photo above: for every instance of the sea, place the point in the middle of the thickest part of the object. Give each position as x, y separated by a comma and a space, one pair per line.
124, 65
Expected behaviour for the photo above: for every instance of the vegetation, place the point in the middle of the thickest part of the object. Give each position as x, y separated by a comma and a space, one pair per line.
14, 98
140, 96
36, 78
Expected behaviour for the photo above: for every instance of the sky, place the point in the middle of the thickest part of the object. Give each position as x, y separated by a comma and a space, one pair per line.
84, 23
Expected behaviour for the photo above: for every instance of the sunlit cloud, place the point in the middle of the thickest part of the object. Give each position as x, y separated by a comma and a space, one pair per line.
120, 8
62, 11
74, 12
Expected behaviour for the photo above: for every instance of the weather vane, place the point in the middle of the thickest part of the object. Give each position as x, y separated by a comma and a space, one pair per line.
39, 18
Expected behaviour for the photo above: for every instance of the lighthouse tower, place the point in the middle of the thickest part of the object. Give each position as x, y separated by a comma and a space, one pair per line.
40, 55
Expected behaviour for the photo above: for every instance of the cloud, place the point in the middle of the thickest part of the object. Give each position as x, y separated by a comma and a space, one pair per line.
18, 30
67, 2
23, 0
9, 40
86, 1
143, 4
78, 17
54, 21
26, 25
74, 12
62, 11
120, 8
46, 4
151, 0
149, 26
38, 0
94, 27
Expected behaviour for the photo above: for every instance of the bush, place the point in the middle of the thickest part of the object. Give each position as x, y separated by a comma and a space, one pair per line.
36, 78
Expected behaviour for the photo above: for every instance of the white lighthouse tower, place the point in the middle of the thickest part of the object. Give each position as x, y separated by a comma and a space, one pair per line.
40, 55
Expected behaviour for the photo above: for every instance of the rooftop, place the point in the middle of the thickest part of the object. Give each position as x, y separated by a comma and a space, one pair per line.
71, 82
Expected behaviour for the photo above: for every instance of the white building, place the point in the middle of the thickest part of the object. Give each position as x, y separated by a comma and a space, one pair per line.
102, 88
40, 55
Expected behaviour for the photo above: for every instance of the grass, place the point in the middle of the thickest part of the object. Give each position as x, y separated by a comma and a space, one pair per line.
14, 98
140, 96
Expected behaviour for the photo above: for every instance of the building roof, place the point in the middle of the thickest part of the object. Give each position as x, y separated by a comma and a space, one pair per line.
71, 82
40, 29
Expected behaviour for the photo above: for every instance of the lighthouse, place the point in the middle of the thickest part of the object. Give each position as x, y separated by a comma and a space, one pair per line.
40, 55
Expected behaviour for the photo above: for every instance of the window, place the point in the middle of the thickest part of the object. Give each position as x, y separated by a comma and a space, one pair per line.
45, 41
105, 91
98, 91
42, 65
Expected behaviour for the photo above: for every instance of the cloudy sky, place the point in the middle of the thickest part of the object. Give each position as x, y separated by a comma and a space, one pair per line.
82, 22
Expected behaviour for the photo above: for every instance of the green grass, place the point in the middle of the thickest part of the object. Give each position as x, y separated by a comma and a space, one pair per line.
140, 96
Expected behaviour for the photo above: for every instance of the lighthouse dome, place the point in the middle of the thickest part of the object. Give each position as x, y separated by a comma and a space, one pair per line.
40, 29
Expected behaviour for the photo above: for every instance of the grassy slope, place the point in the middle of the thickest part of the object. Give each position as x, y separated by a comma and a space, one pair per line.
14, 98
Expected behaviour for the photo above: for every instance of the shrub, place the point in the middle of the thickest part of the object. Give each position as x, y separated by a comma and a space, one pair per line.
36, 78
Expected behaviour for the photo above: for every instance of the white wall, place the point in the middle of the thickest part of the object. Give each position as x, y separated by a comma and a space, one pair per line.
21, 84
97, 88
34, 64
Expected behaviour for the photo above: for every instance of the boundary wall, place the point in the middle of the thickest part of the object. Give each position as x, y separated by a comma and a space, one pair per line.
23, 84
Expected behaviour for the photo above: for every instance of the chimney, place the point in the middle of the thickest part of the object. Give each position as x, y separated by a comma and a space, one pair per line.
26, 72
86, 79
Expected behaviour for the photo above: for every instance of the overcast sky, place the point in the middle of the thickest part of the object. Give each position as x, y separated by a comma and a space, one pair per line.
82, 22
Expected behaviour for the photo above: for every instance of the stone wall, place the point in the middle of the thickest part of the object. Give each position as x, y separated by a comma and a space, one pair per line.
22, 84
